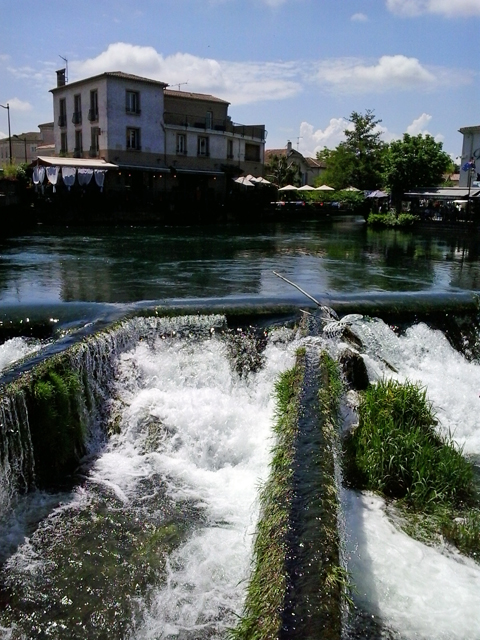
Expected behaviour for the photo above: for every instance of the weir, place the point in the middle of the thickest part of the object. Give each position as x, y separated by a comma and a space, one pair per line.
112, 398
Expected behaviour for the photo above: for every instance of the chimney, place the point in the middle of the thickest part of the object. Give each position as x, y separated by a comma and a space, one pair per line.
289, 144
61, 78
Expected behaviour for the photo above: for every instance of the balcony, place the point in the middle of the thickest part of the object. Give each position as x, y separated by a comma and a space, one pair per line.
256, 132
77, 117
92, 115
62, 120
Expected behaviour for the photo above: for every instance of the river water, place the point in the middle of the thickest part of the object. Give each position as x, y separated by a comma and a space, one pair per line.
154, 541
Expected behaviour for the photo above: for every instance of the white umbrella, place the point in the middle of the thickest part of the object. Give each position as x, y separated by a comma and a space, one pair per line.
306, 187
262, 181
245, 181
288, 187
325, 187
351, 189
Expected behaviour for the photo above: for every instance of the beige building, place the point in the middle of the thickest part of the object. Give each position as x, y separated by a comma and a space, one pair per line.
309, 168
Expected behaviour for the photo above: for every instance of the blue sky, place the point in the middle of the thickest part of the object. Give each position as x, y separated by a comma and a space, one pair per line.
298, 66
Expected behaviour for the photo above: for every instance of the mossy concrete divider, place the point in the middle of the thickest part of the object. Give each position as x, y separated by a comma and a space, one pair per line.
297, 583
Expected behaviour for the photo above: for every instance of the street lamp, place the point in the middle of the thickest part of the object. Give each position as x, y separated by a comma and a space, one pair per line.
7, 107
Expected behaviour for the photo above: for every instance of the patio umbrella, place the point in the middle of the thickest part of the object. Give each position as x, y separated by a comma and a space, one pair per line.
351, 189
245, 181
324, 187
288, 187
306, 187
377, 194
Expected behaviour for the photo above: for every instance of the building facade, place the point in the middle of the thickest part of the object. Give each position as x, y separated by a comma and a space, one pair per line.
309, 168
167, 145
470, 176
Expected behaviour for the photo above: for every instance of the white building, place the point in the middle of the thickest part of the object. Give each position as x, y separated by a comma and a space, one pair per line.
470, 152
164, 142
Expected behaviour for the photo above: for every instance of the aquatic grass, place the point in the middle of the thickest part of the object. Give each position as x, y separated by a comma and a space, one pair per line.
396, 450
261, 618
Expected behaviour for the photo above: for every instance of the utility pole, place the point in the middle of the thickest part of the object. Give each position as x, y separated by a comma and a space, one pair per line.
7, 107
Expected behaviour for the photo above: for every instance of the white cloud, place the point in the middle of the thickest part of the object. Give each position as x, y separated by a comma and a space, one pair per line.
359, 17
313, 140
250, 82
350, 75
447, 8
239, 83
16, 105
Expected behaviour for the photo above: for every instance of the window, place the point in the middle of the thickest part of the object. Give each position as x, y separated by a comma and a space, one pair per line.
63, 142
62, 117
133, 138
78, 150
77, 109
230, 149
181, 144
93, 111
94, 133
209, 120
202, 146
132, 102
252, 152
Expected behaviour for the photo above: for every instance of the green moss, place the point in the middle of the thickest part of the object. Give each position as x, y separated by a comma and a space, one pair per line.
262, 614
54, 400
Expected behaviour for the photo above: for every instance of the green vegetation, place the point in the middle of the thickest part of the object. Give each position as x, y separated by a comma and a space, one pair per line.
261, 619
391, 220
396, 451
281, 172
358, 161
57, 423
412, 163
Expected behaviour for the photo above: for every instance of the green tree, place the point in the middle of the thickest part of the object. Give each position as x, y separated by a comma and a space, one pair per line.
358, 160
415, 162
281, 171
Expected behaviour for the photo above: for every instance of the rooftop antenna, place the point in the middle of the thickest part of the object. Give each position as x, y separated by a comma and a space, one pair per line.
66, 67
177, 85
298, 140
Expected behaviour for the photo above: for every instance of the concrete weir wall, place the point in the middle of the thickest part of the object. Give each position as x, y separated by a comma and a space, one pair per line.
297, 582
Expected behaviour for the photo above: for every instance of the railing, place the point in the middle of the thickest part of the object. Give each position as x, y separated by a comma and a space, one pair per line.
77, 117
62, 120
92, 115
206, 123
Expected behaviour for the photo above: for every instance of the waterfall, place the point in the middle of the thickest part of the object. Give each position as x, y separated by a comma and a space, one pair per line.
151, 538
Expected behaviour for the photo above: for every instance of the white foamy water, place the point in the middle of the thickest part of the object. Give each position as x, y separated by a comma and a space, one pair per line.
418, 591
211, 448
15, 349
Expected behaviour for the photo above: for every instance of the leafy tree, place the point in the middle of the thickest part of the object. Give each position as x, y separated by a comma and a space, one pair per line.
282, 171
358, 160
415, 162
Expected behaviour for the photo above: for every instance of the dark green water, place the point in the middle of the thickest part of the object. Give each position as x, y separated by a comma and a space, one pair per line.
50, 267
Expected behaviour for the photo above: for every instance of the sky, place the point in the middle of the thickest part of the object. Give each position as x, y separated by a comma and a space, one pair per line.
300, 67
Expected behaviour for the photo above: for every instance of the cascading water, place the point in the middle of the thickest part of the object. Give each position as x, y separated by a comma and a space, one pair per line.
412, 590
155, 540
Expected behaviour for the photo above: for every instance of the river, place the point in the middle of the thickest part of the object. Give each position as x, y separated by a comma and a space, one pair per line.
195, 436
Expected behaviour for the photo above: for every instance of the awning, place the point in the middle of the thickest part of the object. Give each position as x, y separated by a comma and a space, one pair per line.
87, 163
443, 192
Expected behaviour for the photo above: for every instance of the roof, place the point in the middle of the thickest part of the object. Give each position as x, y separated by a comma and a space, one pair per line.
112, 74
89, 163
311, 162
443, 192
189, 95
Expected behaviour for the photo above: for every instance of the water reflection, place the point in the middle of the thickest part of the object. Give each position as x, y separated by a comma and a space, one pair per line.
131, 264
